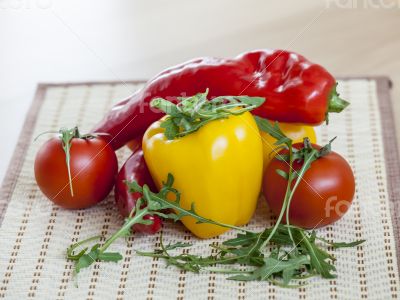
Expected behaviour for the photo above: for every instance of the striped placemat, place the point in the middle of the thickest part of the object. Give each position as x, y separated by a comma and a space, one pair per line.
34, 233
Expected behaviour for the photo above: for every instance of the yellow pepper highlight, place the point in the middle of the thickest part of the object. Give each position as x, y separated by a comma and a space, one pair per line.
218, 168
297, 132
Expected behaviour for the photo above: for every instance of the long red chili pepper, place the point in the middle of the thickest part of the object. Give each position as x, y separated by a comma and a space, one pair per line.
135, 168
295, 89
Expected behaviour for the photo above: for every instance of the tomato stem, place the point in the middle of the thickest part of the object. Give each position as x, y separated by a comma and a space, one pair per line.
66, 139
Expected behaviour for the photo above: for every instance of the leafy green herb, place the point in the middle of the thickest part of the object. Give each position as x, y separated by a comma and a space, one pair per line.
273, 130
191, 113
150, 204
295, 253
84, 260
337, 245
272, 266
280, 266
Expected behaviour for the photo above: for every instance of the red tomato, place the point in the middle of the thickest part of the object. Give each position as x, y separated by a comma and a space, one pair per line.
135, 168
93, 166
321, 198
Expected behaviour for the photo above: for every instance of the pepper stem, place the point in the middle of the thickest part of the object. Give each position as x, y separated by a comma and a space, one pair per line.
336, 104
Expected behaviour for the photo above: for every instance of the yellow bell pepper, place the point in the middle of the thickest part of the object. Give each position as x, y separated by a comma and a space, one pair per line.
218, 168
297, 132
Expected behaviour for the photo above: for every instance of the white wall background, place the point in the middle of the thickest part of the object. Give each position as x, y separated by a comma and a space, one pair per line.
72, 40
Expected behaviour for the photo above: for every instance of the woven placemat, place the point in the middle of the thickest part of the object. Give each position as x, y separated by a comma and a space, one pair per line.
35, 234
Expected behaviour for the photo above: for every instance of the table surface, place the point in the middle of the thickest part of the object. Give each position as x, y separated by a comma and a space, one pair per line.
49, 41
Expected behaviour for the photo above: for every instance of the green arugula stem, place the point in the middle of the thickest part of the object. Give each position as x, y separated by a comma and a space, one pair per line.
290, 192
230, 271
127, 226
199, 218
202, 262
71, 249
288, 187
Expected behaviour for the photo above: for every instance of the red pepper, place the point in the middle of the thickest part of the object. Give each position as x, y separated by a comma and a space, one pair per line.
296, 90
135, 168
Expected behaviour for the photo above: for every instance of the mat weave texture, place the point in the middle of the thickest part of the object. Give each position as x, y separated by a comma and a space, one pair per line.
35, 233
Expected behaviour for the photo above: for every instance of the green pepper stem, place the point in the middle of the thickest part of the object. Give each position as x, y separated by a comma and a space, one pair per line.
336, 104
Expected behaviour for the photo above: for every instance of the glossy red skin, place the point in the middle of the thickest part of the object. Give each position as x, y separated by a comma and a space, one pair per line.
296, 90
135, 168
329, 176
135, 144
93, 164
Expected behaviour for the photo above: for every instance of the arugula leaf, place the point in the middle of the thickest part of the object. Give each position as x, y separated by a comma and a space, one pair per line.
191, 113
84, 262
273, 266
273, 130
317, 258
87, 259
94, 255
109, 256
347, 245
241, 239
338, 245
171, 129
177, 245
